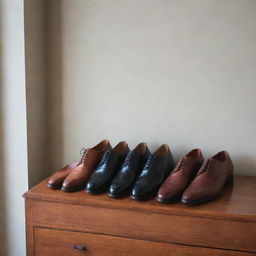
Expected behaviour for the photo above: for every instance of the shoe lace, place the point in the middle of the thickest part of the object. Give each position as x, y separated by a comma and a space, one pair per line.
180, 164
149, 161
206, 166
83, 153
128, 157
107, 156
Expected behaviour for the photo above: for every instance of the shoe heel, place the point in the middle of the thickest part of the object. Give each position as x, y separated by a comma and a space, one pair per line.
230, 180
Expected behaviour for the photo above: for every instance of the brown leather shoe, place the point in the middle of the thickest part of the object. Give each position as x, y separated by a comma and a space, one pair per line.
56, 180
215, 173
180, 177
78, 177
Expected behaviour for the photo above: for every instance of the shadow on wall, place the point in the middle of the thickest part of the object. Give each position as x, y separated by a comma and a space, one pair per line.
244, 165
2, 165
35, 40
54, 85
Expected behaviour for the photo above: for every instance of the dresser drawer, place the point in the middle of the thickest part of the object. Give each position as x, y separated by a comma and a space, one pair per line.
176, 229
50, 242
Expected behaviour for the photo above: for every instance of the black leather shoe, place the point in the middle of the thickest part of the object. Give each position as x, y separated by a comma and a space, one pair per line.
157, 168
122, 183
110, 163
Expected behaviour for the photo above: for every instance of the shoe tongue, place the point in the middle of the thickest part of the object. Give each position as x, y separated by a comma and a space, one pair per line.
129, 154
157, 156
83, 154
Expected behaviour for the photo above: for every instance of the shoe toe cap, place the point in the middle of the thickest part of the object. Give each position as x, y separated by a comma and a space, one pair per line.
54, 182
50, 182
113, 190
66, 184
138, 191
115, 194
186, 199
91, 186
161, 198
191, 198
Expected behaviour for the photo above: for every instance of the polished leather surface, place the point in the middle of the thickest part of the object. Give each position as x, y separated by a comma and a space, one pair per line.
56, 180
210, 180
107, 168
78, 177
156, 169
129, 171
180, 178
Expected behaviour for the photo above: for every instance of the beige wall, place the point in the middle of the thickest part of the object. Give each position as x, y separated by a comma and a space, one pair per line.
13, 129
176, 72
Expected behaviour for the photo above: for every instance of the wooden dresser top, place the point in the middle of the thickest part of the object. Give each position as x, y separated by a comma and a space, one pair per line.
237, 202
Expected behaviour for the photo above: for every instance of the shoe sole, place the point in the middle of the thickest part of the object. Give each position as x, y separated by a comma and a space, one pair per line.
54, 186
174, 199
99, 190
147, 196
117, 196
72, 189
201, 201
121, 194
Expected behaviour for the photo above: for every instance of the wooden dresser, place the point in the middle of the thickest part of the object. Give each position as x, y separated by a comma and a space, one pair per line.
76, 224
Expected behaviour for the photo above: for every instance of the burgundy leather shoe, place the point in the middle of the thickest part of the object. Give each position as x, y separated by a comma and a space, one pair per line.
91, 157
215, 173
180, 177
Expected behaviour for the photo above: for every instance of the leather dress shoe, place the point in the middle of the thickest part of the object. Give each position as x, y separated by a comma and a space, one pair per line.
78, 177
214, 174
157, 167
56, 180
132, 165
110, 163
180, 178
